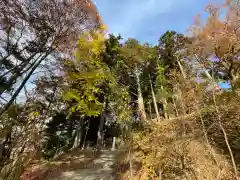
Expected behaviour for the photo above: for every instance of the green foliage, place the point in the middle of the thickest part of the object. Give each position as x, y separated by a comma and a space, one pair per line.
163, 90
111, 55
58, 135
121, 101
149, 71
93, 77
170, 46
134, 54
86, 74
108, 78
161, 78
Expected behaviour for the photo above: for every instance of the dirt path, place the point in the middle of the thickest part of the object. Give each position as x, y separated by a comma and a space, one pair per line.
77, 165
99, 169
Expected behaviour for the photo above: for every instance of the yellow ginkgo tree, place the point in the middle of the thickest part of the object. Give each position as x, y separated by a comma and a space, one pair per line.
85, 74
87, 79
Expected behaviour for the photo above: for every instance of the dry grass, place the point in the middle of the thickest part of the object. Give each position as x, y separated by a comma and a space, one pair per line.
164, 154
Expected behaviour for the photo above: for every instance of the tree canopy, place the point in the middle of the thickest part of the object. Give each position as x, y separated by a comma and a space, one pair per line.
83, 86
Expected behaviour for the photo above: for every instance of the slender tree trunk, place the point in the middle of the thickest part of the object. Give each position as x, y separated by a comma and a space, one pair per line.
181, 69
17, 73
150, 110
5, 137
77, 138
84, 141
164, 103
1, 148
205, 71
175, 106
165, 108
78, 134
235, 81
141, 107
100, 135
23, 84
225, 137
208, 75
114, 144
154, 99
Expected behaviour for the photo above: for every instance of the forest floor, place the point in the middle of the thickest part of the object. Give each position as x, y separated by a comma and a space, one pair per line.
77, 165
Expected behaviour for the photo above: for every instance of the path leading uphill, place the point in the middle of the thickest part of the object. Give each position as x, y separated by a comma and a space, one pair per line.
77, 165
100, 168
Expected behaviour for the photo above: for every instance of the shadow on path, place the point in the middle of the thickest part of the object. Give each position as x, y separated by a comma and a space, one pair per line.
76, 165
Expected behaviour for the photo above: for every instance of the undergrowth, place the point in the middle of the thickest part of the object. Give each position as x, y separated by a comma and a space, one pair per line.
164, 151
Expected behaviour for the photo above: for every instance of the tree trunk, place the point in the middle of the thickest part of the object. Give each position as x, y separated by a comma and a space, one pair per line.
84, 141
78, 138
150, 110
100, 135
181, 69
175, 106
205, 71
17, 72
235, 84
141, 107
35, 66
78, 135
225, 137
5, 137
165, 108
1, 150
154, 99
114, 144
207, 74
164, 103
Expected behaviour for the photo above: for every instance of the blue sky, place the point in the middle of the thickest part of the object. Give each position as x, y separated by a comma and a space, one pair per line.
146, 20
225, 85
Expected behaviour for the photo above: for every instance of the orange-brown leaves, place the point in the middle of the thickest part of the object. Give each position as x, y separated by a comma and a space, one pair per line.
89, 7
218, 36
227, 2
